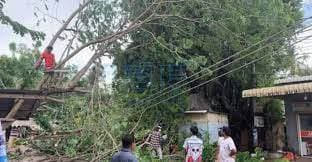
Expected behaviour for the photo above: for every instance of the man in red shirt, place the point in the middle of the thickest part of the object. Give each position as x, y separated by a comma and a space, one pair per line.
48, 58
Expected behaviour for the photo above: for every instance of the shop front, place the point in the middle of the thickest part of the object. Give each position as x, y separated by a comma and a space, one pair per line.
297, 96
305, 134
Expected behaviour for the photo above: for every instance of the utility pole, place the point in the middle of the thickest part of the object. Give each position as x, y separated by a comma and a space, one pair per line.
254, 133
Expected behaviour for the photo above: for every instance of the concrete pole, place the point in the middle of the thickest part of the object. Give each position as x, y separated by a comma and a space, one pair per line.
253, 107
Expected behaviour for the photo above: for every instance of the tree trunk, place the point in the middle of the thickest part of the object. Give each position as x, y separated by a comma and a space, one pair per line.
108, 39
78, 76
15, 108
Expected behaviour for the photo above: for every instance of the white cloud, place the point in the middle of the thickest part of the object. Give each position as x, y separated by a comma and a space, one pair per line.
307, 1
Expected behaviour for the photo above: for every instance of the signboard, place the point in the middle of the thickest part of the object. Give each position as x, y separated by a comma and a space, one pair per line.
259, 121
306, 134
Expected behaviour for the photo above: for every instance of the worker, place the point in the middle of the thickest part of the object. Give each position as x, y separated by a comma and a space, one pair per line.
48, 58
155, 140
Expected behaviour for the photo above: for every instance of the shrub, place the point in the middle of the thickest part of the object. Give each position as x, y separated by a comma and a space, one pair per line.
209, 152
246, 157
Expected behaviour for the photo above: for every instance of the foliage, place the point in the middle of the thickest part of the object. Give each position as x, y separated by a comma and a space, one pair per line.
94, 125
246, 157
199, 34
194, 33
274, 111
17, 27
209, 152
19, 71
42, 121
301, 70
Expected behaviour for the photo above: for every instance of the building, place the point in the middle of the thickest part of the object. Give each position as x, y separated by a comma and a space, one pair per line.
297, 95
207, 121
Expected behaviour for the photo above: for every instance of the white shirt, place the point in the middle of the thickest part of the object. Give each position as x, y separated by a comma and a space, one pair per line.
220, 140
226, 146
194, 147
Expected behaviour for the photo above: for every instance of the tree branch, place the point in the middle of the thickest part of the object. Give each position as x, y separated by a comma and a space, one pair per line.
59, 32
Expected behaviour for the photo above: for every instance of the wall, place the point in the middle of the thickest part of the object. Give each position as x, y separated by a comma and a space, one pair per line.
291, 126
206, 122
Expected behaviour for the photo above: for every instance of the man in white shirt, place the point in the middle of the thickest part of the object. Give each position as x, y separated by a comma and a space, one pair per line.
227, 147
193, 147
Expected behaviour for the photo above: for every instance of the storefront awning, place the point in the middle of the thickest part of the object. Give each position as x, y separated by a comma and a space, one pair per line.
279, 90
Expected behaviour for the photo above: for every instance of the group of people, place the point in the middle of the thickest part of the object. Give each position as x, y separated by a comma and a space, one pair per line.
193, 146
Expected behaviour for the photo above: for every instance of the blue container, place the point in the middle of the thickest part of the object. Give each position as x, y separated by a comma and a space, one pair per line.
3, 159
3, 154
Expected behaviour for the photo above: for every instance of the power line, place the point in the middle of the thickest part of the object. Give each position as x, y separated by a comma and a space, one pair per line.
147, 99
206, 82
258, 59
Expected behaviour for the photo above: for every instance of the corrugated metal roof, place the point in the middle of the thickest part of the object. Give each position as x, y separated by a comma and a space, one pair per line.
295, 79
28, 106
26, 123
279, 90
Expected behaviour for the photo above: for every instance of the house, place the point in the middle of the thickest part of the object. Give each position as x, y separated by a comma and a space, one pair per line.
203, 117
297, 95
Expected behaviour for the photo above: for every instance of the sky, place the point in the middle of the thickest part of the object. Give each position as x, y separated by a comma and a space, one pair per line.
23, 12
305, 48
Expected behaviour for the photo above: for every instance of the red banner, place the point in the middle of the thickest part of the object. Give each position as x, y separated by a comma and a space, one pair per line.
306, 134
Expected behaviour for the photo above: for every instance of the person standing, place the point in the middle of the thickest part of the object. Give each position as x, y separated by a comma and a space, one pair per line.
220, 139
126, 153
193, 146
49, 59
155, 141
227, 147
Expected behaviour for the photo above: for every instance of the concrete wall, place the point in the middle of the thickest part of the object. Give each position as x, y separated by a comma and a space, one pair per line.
206, 122
291, 126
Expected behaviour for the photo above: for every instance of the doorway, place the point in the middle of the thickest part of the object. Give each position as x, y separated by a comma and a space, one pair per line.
305, 134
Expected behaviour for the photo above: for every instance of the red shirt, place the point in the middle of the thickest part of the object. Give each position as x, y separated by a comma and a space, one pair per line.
48, 59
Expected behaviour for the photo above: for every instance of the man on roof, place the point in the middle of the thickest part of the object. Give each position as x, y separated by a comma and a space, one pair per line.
48, 58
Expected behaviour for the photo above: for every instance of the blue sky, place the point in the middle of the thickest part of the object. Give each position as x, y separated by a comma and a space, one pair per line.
307, 8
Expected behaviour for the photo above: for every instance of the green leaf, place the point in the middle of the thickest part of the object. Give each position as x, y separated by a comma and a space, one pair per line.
187, 43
